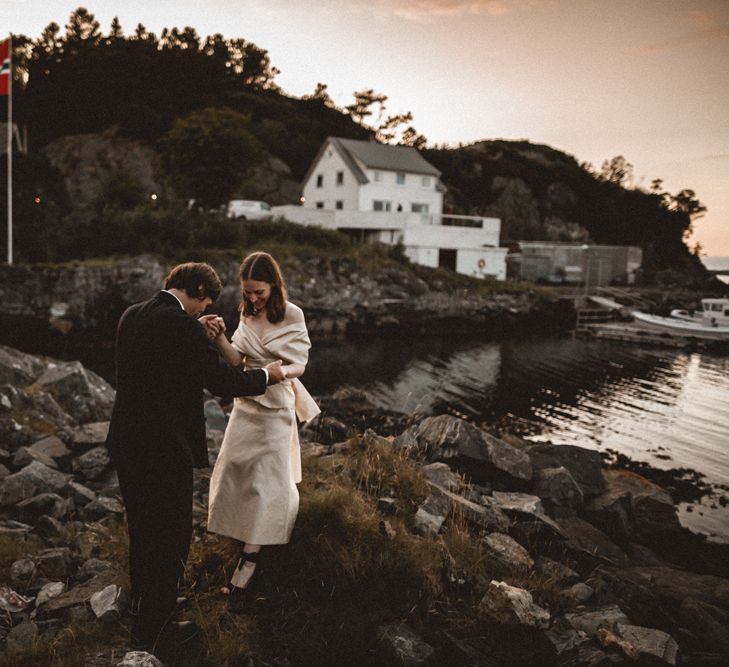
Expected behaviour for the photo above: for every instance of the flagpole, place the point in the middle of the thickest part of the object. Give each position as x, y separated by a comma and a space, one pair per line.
10, 150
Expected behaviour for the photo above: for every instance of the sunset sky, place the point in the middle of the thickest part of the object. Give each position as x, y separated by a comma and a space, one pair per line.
647, 79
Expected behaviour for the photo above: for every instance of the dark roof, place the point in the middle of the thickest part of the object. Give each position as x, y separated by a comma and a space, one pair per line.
375, 155
382, 156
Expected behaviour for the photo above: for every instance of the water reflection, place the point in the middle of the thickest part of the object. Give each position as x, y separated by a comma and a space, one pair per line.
669, 409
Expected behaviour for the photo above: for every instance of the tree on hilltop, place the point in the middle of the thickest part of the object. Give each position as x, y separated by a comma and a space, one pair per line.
209, 153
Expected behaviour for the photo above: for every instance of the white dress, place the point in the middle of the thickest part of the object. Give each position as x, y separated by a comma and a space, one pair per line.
253, 494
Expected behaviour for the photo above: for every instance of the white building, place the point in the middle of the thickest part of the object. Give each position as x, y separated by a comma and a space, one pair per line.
391, 194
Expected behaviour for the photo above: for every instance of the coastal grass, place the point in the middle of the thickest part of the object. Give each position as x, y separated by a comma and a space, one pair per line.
348, 569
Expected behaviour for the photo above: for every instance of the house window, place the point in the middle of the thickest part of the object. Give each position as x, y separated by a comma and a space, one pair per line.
425, 181
340, 178
419, 208
400, 178
319, 180
378, 177
339, 205
380, 205
320, 204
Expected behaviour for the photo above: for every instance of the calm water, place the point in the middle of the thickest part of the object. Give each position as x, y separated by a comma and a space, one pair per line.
669, 409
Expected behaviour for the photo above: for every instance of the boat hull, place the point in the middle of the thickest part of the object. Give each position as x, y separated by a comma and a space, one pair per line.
681, 327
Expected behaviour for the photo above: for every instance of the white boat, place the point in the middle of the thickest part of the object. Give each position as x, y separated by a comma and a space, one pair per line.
712, 323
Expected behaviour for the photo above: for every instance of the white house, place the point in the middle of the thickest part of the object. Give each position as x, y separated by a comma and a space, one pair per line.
355, 175
391, 194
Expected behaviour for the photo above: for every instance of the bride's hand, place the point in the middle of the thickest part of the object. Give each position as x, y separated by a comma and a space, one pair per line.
214, 325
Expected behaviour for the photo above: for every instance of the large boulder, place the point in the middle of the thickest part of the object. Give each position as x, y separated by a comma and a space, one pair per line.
632, 506
557, 488
81, 393
585, 465
32, 480
446, 437
17, 368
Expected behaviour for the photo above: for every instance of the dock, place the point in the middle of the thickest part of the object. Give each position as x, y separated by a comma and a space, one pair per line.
625, 332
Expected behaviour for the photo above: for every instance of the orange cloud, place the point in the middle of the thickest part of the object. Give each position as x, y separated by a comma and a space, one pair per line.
419, 10
710, 26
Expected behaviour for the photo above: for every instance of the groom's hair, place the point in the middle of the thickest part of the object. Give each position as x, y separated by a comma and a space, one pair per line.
197, 279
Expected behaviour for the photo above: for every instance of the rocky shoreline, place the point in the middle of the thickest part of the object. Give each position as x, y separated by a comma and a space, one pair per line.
586, 565
68, 309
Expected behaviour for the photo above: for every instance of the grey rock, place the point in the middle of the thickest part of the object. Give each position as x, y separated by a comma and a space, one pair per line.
93, 464
650, 642
54, 563
101, 507
585, 465
484, 515
578, 593
51, 590
24, 456
441, 475
22, 637
92, 567
30, 481
214, 440
49, 528
139, 659
446, 437
51, 447
17, 368
565, 638
507, 551
4, 472
708, 622
557, 487
78, 595
82, 495
78, 615
79, 391
591, 621
425, 523
403, 646
632, 505
108, 602
50, 504
510, 604
555, 570
522, 505
371, 440
214, 416
90, 435
583, 536
22, 572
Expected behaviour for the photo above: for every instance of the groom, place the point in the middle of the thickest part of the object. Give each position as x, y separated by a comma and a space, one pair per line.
157, 435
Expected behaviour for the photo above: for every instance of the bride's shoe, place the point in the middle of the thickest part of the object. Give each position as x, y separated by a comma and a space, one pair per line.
242, 575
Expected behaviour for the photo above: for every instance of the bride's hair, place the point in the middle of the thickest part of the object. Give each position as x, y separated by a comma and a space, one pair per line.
261, 266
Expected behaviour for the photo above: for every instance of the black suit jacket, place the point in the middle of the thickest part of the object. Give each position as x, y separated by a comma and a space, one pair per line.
164, 360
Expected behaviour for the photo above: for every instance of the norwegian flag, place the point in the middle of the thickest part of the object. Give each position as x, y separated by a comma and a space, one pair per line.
5, 68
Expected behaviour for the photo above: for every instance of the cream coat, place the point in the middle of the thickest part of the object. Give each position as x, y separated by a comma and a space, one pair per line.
253, 494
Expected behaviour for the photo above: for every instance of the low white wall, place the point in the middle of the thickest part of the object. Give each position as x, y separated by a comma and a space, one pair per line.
451, 238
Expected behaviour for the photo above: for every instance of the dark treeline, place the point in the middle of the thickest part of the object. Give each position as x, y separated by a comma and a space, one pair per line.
209, 111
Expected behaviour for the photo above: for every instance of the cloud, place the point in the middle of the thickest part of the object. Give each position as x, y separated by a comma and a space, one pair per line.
710, 27
428, 10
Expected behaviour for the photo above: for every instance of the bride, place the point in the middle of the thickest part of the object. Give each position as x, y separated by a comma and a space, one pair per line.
253, 494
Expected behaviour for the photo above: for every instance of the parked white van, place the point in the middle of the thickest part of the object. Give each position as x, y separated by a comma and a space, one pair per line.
246, 209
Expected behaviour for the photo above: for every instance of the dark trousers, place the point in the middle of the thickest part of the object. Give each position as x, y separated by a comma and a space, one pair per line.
159, 519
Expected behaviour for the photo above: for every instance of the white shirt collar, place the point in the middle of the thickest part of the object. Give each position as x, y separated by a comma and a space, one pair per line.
178, 300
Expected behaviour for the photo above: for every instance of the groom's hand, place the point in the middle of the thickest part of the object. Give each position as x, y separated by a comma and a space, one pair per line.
275, 372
